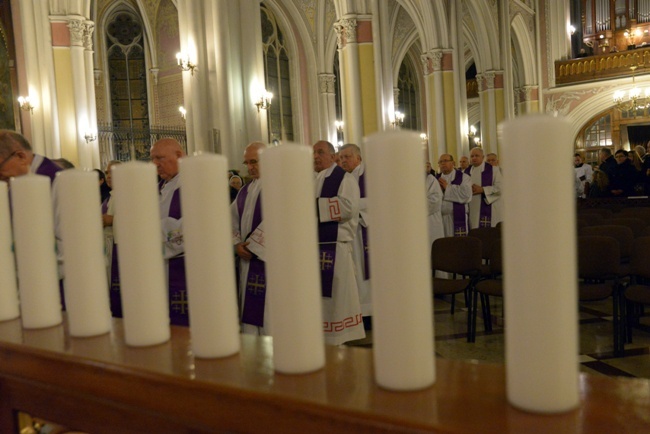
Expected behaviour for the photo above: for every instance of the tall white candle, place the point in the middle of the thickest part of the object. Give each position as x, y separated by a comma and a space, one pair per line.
209, 261
399, 262
33, 224
143, 285
8, 285
292, 272
85, 283
540, 293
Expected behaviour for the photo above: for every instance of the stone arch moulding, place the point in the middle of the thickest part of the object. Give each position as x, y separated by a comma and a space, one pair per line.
486, 36
526, 49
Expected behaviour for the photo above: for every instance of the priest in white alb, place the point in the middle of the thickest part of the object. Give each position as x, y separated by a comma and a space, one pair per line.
485, 207
337, 206
457, 193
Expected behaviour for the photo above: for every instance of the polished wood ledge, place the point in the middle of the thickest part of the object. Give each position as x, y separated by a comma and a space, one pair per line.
100, 385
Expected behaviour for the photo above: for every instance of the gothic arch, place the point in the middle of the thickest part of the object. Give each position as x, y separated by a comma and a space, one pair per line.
485, 35
525, 49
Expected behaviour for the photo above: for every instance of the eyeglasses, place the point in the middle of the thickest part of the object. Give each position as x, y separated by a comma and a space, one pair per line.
7, 159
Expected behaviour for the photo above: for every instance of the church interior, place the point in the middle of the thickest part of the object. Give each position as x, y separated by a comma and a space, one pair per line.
93, 81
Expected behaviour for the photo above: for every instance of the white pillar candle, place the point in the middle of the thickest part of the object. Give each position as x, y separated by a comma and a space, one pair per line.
540, 293
85, 283
209, 262
143, 285
399, 262
33, 224
292, 272
8, 285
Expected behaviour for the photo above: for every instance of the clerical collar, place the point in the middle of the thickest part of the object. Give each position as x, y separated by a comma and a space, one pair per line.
578, 166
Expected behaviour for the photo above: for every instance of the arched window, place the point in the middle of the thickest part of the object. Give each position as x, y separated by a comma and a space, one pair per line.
277, 78
408, 95
596, 136
127, 73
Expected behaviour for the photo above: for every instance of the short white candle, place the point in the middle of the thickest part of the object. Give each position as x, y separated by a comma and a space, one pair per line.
8, 285
143, 285
33, 224
399, 259
292, 272
85, 284
209, 262
540, 277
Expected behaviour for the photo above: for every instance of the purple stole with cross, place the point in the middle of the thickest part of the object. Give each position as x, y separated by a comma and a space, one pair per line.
178, 307
459, 215
255, 290
485, 213
328, 233
364, 231
114, 290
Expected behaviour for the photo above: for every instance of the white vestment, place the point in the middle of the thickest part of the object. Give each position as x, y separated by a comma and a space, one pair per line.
172, 230
491, 195
239, 234
434, 207
358, 249
342, 318
454, 194
585, 174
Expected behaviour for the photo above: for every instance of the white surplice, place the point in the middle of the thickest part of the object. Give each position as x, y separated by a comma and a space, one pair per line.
434, 209
491, 196
239, 234
363, 284
454, 194
342, 318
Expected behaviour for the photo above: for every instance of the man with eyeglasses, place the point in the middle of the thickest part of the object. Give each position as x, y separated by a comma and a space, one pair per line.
337, 207
457, 193
17, 158
165, 154
246, 211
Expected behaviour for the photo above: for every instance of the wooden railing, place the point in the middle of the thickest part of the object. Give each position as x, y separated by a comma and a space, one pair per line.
602, 66
100, 385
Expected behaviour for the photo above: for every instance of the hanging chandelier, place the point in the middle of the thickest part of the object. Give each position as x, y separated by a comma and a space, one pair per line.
635, 99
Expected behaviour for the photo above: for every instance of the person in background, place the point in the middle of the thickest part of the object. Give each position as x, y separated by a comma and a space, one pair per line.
463, 163
584, 172
104, 189
236, 183
110, 246
63, 163
492, 159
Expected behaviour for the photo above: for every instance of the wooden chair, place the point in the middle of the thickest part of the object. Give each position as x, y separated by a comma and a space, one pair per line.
492, 286
637, 225
598, 273
461, 258
623, 235
605, 212
488, 237
637, 294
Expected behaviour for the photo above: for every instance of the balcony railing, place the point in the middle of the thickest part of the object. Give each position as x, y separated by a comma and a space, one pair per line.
603, 66
130, 144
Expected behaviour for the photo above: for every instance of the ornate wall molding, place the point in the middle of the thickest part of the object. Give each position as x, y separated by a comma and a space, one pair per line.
89, 28
432, 61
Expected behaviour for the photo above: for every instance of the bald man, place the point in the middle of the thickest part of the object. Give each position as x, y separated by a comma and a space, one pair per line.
485, 206
337, 206
165, 154
246, 212
457, 193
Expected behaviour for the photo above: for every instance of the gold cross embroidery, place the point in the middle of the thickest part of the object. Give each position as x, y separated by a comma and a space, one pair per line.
179, 302
255, 286
326, 261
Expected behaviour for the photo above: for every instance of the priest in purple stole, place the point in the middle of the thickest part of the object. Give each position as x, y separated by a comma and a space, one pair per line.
18, 159
165, 154
457, 193
485, 207
351, 162
337, 207
110, 246
246, 211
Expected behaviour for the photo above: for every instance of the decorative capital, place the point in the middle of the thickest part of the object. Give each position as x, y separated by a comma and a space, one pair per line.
480, 82
77, 29
489, 79
395, 96
346, 31
326, 83
89, 28
154, 72
431, 61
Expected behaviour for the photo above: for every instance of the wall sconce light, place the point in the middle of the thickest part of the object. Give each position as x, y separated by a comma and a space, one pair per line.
572, 29
424, 137
90, 136
472, 132
398, 119
264, 101
339, 126
183, 112
25, 103
477, 142
183, 61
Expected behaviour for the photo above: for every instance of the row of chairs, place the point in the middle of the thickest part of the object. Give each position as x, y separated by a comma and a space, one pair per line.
611, 263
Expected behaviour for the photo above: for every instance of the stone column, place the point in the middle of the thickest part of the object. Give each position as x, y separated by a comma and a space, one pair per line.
490, 90
327, 96
77, 27
90, 92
